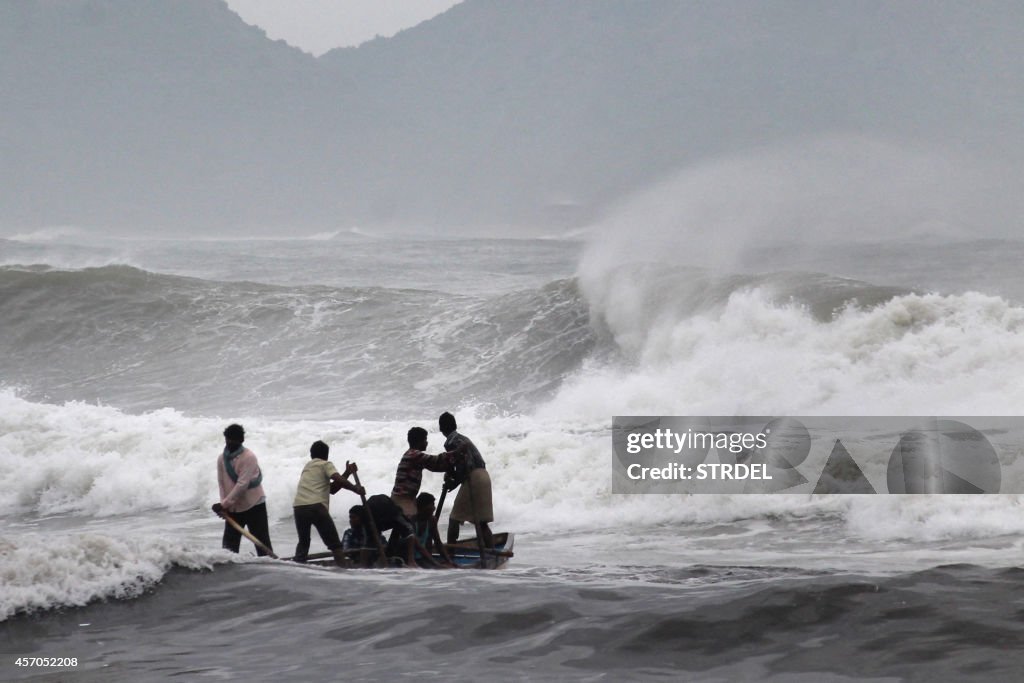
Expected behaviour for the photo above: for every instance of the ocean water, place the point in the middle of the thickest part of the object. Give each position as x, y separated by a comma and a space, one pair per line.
121, 361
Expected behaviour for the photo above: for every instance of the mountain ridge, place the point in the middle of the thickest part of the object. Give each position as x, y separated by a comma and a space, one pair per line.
151, 116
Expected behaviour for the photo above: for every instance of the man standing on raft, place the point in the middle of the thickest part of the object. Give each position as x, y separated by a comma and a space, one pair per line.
410, 470
473, 504
241, 492
319, 481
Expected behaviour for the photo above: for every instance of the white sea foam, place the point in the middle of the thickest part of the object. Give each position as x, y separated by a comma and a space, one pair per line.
40, 571
550, 473
96, 460
912, 355
935, 518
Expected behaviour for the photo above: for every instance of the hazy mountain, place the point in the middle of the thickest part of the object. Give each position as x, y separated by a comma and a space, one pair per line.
159, 115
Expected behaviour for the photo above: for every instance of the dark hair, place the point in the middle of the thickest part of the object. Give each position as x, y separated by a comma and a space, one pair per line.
424, 498
416, 434
319, 450
447, 423
356, 510
235, 432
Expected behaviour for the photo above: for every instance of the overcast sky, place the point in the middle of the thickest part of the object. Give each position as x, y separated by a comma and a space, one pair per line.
317, 26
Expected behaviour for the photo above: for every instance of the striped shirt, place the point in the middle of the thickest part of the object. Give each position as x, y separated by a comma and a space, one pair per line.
410, 471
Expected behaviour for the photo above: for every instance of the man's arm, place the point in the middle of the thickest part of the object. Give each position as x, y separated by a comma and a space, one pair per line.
435, 463
340, 481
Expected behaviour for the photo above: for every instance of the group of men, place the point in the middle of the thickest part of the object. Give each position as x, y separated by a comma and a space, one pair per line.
407, 513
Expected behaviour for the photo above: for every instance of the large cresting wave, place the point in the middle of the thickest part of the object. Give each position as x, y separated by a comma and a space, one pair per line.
141, 340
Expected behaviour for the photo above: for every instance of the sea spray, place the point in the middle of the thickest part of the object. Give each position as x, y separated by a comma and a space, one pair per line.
42, 571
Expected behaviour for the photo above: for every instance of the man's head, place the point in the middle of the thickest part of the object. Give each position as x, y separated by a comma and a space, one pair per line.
319, 450
425, 505
418, 438
446, 423
355, 516
234, 436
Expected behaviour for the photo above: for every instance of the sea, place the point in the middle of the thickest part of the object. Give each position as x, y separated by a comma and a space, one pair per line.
122, 359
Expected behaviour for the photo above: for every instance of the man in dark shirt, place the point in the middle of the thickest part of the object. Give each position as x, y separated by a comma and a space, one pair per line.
356, 541
473, 504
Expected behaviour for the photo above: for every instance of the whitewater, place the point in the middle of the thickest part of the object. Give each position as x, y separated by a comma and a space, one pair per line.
123, 359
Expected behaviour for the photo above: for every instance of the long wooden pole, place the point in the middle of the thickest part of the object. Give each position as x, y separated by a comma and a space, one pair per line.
440, 503
240, 529
382, 560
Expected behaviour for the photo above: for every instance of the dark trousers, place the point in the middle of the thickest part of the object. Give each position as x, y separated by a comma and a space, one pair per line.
318, 516
255, 520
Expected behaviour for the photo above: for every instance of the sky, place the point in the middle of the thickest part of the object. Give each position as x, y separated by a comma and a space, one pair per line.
317, 26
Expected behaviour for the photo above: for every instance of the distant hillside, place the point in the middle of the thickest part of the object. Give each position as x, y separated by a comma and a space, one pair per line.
153, 115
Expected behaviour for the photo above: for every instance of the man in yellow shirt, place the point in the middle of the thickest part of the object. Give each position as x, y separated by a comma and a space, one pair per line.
319, 480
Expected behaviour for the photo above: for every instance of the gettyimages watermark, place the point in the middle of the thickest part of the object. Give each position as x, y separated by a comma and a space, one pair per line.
817, 455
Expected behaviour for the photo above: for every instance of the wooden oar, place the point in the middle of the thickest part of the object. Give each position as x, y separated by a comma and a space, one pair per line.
440, 503
240, 529
382, 560
437, 514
